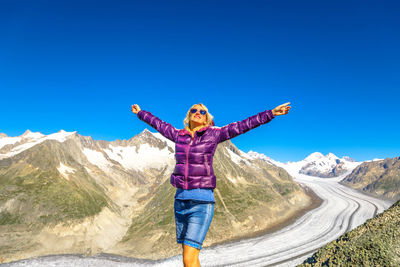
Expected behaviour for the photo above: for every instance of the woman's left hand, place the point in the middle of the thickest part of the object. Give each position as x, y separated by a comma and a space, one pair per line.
281, 109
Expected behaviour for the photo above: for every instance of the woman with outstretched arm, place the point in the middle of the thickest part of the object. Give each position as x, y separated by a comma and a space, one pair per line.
193, 175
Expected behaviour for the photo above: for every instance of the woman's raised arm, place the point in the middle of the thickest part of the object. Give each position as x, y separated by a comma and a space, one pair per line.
236, 128
164, 128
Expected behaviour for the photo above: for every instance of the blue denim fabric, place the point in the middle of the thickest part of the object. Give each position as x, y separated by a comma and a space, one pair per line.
192, 220
204, 194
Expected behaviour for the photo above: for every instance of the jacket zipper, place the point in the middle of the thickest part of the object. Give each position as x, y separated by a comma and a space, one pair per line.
187, 163
206, 162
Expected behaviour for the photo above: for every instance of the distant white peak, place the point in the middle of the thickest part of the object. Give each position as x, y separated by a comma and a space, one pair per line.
26, 132
331, 155
3, 135
347, 158
64, 132
29, 134
145, 131
314, 156
61, 136
254, 154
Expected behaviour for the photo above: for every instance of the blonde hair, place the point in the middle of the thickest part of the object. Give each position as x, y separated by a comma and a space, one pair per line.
209, 117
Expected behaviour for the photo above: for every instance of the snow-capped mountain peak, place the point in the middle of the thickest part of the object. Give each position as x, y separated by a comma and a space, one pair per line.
348, 159
316, 164
33, 135
314, 156
256, 155
331, 156
60, 136
10, 146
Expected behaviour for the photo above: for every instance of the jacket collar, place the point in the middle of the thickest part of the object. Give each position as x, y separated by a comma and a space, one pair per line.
186, 131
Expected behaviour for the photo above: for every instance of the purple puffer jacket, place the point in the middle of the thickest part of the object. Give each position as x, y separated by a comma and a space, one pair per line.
194, 156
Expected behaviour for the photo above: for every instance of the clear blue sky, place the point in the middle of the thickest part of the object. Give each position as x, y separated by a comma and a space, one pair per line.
79, 65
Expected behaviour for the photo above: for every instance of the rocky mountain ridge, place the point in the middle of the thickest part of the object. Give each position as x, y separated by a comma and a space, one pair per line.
379, 178
67, 193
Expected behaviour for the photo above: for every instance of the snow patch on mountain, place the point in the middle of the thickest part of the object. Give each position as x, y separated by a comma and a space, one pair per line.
376, 159
61, 136
256, 155
146, 157
9, 140
236, 158
161, 137
65, 170
97, 158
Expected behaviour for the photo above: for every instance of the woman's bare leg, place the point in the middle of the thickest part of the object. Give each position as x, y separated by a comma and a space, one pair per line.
190, 256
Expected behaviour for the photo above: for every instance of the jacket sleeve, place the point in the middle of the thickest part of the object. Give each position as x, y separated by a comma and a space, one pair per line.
236, 128
164, 128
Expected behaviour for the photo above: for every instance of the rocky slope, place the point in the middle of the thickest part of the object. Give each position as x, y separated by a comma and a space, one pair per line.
378, 178
374, 243
250, 196
67, 193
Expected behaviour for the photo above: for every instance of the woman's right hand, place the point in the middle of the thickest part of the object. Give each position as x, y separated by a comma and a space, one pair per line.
281, 109
135, 108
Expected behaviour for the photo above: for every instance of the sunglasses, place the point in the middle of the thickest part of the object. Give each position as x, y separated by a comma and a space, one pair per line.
202, 111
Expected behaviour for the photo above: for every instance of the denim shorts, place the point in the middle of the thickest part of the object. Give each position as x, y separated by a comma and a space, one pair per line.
192, 220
